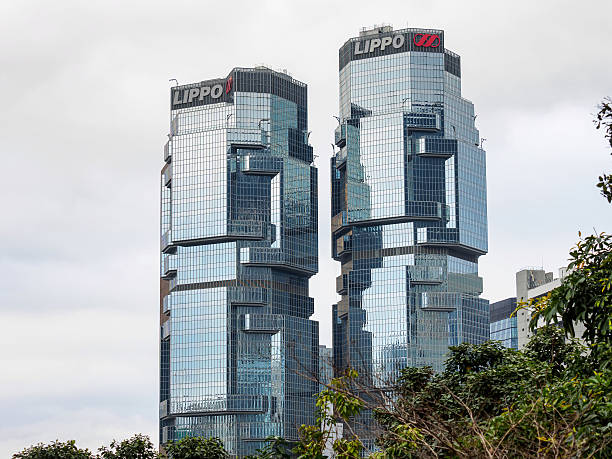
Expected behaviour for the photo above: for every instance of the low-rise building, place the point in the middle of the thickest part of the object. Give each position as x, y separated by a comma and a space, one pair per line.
533, 284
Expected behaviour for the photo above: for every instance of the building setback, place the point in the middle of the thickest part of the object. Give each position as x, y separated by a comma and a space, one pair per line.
409, 209
238, 246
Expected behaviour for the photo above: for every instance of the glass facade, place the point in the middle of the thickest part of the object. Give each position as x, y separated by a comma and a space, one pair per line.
503, 325
238, 246
409, 208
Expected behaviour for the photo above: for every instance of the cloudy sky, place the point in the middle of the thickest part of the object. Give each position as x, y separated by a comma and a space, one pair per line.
84, 90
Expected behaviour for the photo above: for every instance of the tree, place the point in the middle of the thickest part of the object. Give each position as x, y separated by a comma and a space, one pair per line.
55, 450
335, 404
584, 296
586, 292
456, 413
197, 448
604, 120
276, 448
137, 447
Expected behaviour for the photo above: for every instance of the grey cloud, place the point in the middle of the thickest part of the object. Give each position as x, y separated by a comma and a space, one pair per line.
84, 90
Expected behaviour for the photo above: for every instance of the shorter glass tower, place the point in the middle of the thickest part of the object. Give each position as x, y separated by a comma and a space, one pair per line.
503, 326
239, 354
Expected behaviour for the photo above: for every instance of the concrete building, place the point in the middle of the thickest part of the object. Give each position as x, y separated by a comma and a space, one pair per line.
533, 283
326, 373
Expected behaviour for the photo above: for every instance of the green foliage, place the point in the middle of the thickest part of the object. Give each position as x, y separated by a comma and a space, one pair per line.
444, 414
496, 402
277, 448
568, 418
55, 450
137, 447
197, 448
585, 295
604, 120
347, 448
489, 402
564, 357
346, 405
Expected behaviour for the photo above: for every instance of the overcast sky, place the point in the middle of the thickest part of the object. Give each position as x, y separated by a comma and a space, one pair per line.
84, 89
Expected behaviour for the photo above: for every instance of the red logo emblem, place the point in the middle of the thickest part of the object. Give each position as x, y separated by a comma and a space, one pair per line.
426, 40
228, 85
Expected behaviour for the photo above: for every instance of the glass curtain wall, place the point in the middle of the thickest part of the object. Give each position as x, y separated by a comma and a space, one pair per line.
239, 244
409, 210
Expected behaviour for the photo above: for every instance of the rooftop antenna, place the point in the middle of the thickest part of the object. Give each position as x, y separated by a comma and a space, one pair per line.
482, 139
175, 81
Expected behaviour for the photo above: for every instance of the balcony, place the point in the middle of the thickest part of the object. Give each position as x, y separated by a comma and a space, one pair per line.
169, 265
433, 236
261, 165
247, 229
434, 147
261, 431
340, 135
167, 154
174, 126
245, 138
163, 409
343, 307
339, 222
438, 301
248, 296
262, 323
172, 283
425, 274
165, 330
342, 284
268, 256
165, 244
220, 404
166, 304
167, 174
415, 121
165, 435
467, 283
426, 210
344, 244
341, 156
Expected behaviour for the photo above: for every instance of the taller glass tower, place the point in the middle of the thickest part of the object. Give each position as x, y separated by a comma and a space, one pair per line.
238, 246
409, 208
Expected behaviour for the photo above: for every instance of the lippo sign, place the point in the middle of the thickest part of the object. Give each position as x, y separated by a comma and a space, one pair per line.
207, 92
391, 43
368, 46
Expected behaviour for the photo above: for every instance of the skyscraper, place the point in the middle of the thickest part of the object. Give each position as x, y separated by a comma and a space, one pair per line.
409, 209
239, 244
